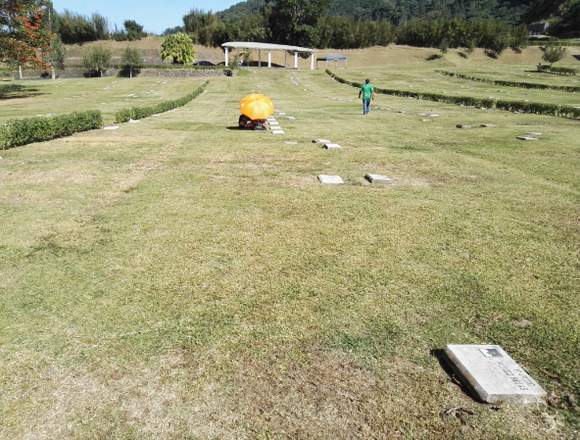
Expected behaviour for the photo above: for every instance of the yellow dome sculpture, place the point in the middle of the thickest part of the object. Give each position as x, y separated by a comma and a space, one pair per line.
256, 106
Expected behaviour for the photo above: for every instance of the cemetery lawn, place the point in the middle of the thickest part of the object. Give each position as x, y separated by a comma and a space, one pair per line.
180, 279
25, 99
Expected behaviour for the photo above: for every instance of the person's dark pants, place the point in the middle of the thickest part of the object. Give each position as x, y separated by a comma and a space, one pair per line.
366, 106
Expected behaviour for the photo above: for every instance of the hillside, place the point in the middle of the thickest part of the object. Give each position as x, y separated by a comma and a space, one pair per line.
399, 11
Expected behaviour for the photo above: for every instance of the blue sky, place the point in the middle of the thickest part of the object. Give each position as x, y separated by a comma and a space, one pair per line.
156, 16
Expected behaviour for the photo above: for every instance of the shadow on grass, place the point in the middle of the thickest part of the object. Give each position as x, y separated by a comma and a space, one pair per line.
15, 91
447, 366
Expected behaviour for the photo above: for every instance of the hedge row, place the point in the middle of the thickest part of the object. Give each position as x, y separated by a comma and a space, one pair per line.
565, 71
135, 113
26, 131
525, 85
514, 106
155, 66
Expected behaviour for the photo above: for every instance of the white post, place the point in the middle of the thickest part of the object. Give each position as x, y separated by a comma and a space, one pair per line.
269, 60
285, 59
227, 60
296, 60
259, 58
312, 61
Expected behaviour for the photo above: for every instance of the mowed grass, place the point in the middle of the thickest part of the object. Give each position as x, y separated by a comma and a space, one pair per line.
179, 279
428, 80
109, 95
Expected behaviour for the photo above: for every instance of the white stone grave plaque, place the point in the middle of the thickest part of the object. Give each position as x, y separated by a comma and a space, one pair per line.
277, 132
321, 141
527, 138
494, 375
330, 180
488, 125
533, 134
464, 126
331, 146
292, 118
378, 179
111, 127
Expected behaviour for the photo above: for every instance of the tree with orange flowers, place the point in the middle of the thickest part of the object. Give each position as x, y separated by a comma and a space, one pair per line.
24, 39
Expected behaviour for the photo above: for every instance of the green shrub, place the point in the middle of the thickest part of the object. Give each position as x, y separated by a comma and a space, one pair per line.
26, 131
135, 113
514, 106
525, 85
565, 71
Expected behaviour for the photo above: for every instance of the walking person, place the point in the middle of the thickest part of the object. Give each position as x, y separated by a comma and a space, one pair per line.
367, 93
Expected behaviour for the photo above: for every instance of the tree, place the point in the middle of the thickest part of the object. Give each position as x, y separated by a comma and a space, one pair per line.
553, 54
134, 30
132, 60
98, 59
295, 21
444, 46
23, 36
55, 55
178, 48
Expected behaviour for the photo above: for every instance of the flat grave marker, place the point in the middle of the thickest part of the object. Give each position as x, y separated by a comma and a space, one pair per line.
277, 132
534, 134
326, 179
527, 138
111, 127
331, 146
494, 375
488, 125
321, 141
378, 179
464, 126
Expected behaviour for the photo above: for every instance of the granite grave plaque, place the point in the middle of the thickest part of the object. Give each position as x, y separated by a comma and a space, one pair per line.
494, 375
330, 180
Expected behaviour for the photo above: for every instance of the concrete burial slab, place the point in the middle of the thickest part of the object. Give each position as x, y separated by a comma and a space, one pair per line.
277, 132
527, 138
464, 126
111, 127
326, 179
331, 146
378, 179
321, 141
488, 125
533, 134
494, 375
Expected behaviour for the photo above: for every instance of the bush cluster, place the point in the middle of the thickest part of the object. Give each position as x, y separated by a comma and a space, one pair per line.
25, 131
513, 106
565, 71
525, 85
135, 113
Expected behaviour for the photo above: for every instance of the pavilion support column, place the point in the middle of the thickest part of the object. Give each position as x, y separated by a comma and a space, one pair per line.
269, 60
259, 58
285, 58
312, 61
296, 60
227, 55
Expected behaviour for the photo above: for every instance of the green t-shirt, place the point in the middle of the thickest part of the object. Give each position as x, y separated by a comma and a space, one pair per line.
367, 91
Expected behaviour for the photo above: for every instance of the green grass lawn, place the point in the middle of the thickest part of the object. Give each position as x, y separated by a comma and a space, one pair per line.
178, 279
46, 97
427, 80
521, 74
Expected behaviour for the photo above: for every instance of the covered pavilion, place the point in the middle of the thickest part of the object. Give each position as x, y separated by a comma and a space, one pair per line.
269, 48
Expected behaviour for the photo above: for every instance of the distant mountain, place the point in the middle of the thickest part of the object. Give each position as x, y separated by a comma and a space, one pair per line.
399, 11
